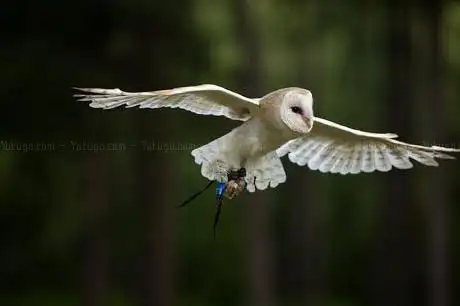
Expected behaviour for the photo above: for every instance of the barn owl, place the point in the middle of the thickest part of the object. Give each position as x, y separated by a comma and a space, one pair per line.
280, 123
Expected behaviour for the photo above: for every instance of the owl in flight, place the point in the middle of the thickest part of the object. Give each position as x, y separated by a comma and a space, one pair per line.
281, 122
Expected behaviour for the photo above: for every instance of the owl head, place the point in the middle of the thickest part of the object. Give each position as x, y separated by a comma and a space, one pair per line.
296, 110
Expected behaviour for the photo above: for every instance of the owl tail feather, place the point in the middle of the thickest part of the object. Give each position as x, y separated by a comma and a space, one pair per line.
265, 171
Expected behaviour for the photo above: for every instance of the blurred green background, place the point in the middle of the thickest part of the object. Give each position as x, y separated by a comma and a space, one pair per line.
88, 197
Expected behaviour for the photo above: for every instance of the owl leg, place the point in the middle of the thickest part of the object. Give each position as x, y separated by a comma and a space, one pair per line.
231, 189
236, 182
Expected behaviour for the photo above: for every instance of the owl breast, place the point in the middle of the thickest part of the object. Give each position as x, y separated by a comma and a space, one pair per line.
256, 138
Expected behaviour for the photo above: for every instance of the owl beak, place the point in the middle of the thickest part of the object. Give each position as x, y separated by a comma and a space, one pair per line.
309, 122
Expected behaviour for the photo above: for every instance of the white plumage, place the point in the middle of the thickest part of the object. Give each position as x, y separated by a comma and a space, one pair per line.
282, 122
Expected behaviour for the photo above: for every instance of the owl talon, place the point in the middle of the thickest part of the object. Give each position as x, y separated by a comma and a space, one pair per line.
236, 182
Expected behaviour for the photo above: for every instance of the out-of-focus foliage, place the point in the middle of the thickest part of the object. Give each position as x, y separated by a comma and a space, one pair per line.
73, 200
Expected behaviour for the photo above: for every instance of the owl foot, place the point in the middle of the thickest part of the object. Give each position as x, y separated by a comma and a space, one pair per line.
236, 183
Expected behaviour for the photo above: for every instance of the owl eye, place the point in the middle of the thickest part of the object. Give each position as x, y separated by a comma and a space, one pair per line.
297, 110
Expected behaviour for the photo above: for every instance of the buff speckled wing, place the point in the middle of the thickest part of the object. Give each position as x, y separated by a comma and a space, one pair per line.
334, 148
202, 99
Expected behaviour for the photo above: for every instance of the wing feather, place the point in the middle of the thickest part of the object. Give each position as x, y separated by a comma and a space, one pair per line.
368, 161
330, 160
355, 158
331, 147
319, 156
309, 152
382, 163
341, 160
202, 99
300, 156
346, 164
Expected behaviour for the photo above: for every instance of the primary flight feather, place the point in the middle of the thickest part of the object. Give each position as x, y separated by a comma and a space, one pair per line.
282, 122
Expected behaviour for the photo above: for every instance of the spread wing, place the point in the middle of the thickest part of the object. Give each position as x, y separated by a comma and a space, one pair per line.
202, 99
334, 148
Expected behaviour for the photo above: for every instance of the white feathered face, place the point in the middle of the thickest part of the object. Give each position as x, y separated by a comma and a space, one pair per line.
297, 111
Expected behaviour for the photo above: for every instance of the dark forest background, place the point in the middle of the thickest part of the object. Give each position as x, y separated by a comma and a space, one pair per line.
88, 197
